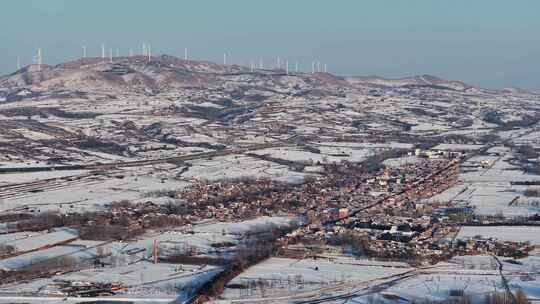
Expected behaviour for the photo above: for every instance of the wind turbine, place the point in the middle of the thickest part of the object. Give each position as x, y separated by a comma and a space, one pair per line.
39, 59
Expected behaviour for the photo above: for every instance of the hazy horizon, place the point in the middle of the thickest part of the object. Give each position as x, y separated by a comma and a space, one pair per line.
486, 43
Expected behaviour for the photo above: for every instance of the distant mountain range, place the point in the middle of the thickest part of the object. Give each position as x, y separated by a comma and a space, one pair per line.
165, 71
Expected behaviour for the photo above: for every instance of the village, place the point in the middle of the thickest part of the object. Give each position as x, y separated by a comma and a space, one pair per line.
229, 185
375, 210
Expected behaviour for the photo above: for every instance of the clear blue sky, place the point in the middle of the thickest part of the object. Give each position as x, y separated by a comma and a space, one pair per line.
493, 43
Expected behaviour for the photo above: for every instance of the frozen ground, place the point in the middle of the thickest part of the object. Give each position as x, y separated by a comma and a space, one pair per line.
203, 237
504, 233
81, 191
172, 108
89, 192
239, 166
489, 189
284, 276
327, 155
142, 279
475, 276
401, 161
32, 241
258, 225
75, 252
458, 147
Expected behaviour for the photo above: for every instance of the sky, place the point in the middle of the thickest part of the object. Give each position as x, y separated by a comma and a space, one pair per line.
490, 43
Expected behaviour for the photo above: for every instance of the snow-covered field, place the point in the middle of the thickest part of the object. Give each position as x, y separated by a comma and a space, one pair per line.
490, 189
327, 155
171, 107
458, 147
203, 237
74, 252
142, 279
504, 233
238, 166
26, 242
254, 226
284, 276
91, 192
474, 276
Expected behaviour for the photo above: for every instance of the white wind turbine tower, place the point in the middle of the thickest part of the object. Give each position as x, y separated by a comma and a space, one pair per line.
313, 67
318, 67
252, 65
110, 56
185, 54
149, 53
39, 59
287, 67
103, 51
84, 51
296, 67
224, 58
144, 49
325, 67
117, 52
278, 62
18, 63
261, 64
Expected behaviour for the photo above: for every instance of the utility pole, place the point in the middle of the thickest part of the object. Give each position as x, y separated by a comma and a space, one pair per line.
155, 251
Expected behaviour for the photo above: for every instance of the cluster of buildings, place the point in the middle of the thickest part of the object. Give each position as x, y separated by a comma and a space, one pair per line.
400, 226
344, 189
483, 245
